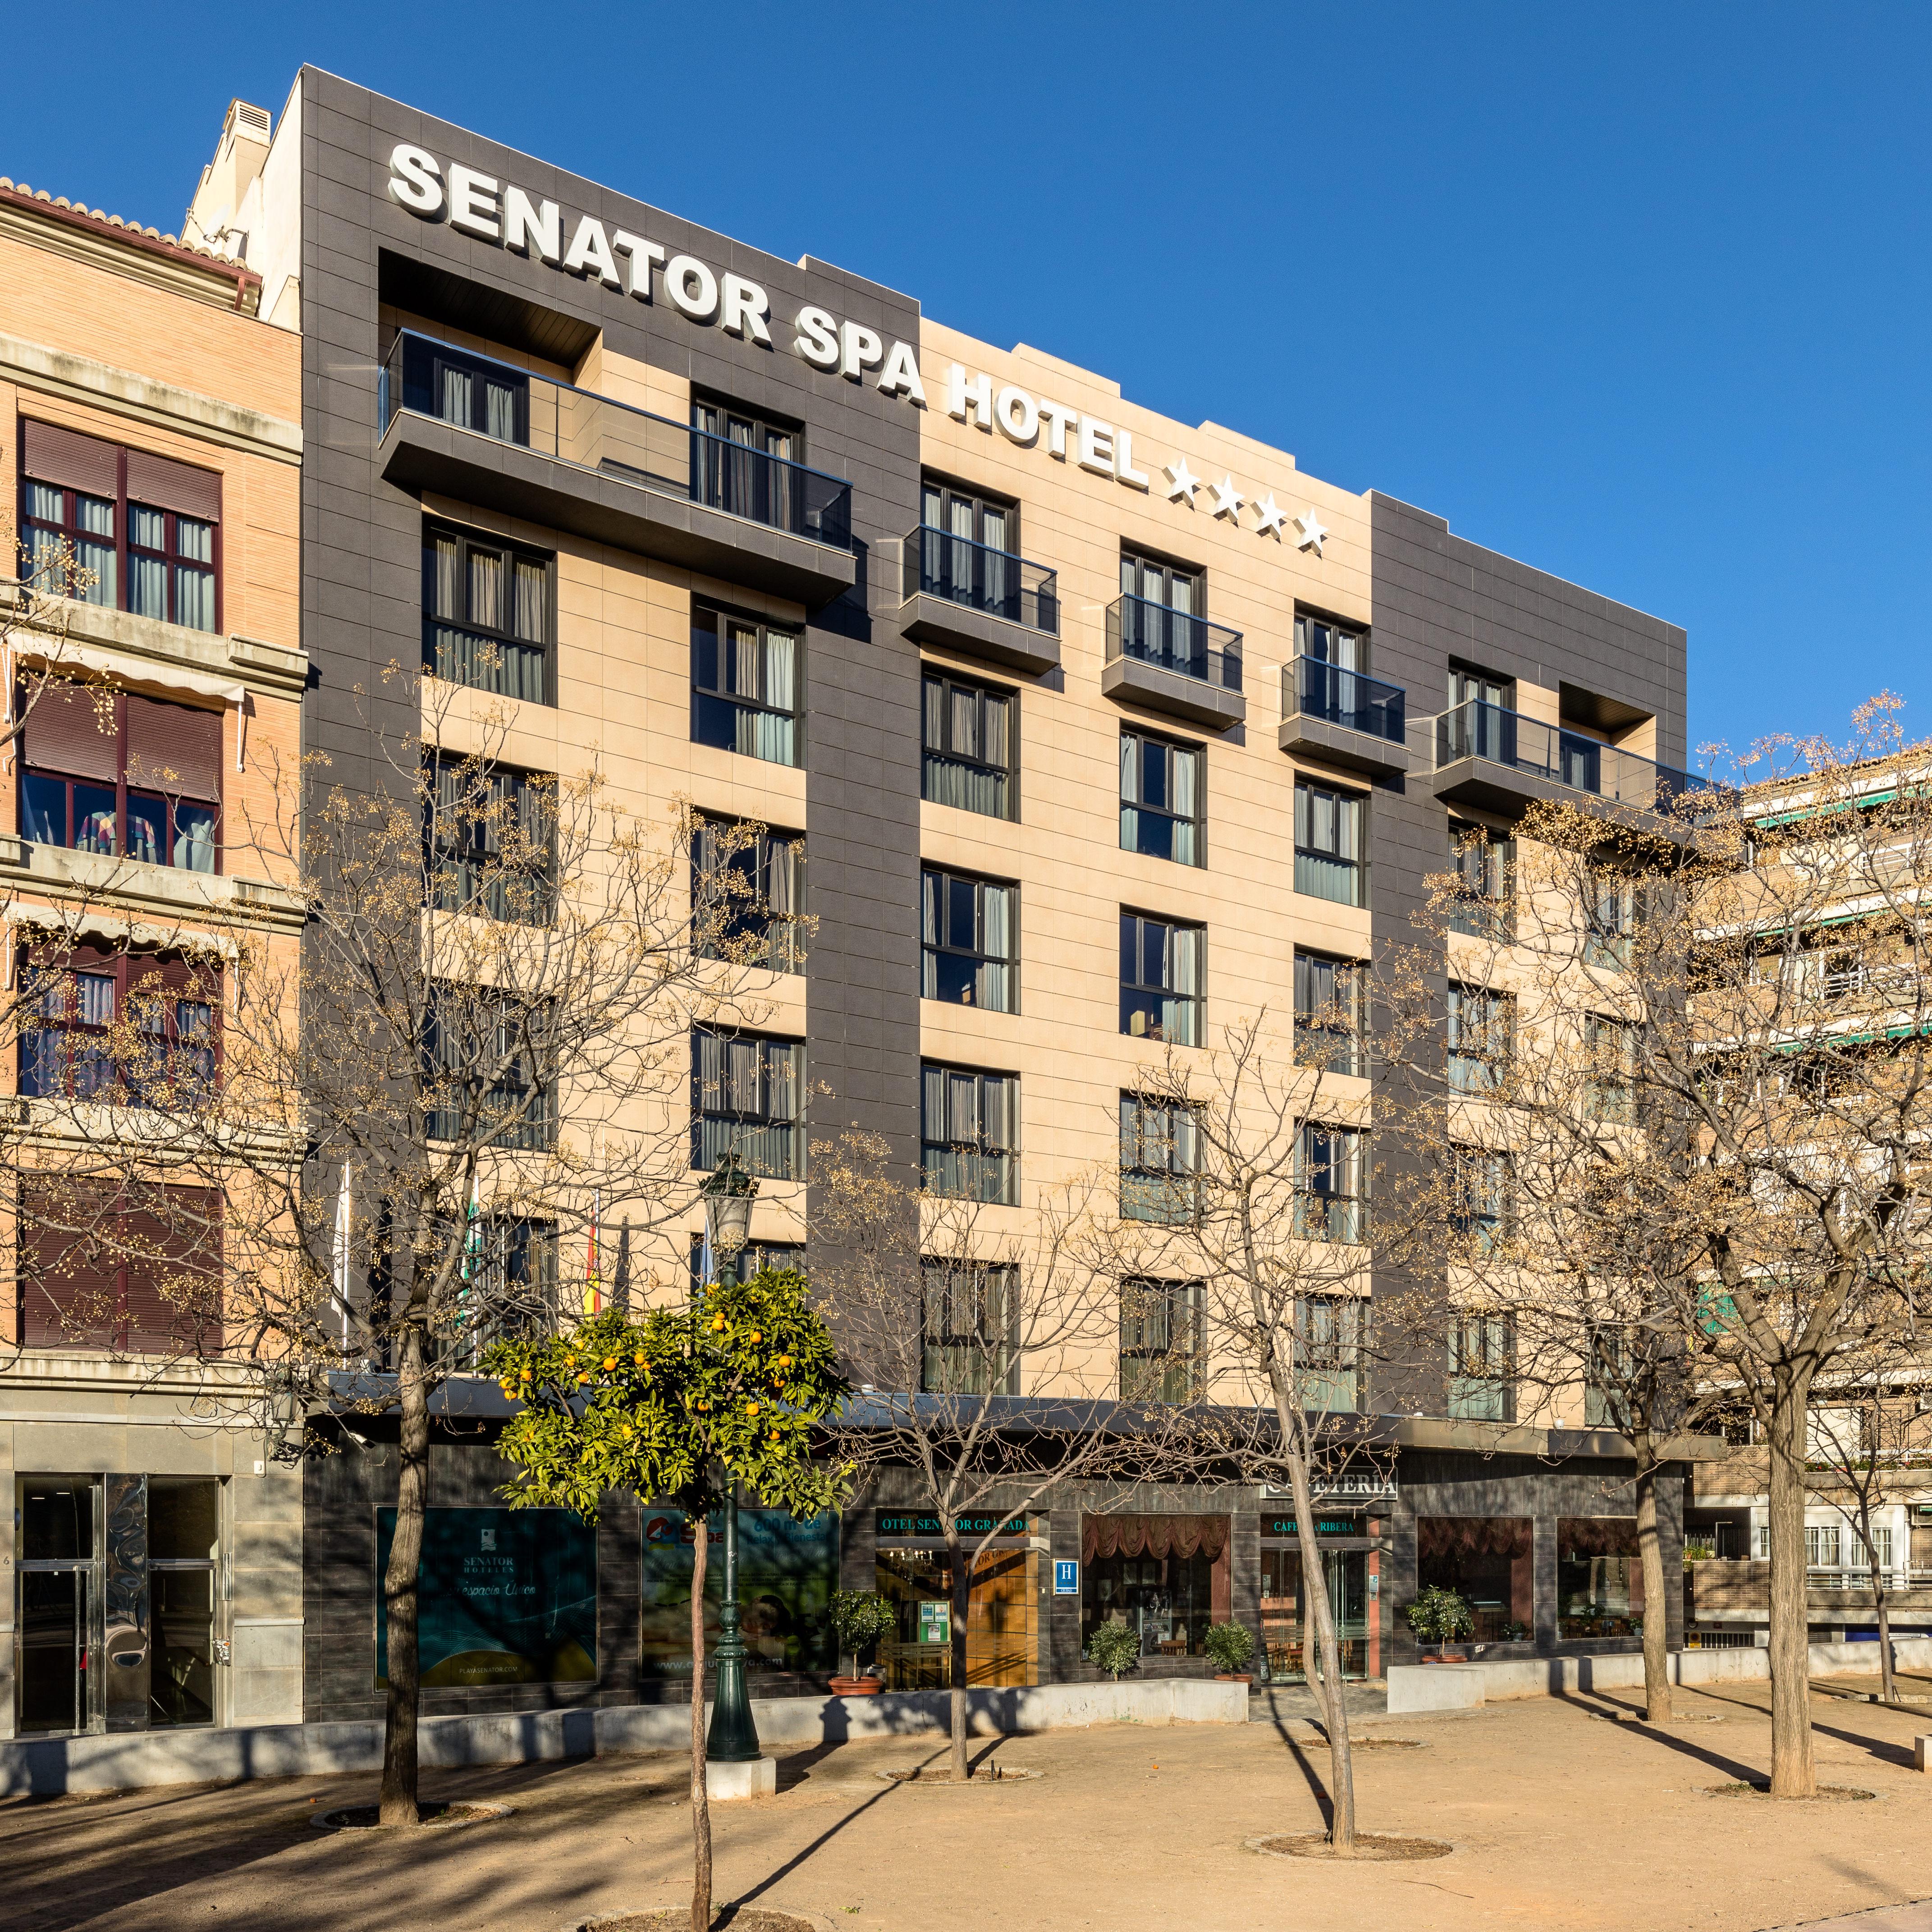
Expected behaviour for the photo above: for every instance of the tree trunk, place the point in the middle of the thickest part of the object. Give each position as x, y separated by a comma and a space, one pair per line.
700, 1796
962, 1594
398, 1804
1793, 1773
1657, 1700
1329, 1688
1887, 1678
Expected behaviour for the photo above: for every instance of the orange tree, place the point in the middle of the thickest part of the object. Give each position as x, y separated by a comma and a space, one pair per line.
680, 1408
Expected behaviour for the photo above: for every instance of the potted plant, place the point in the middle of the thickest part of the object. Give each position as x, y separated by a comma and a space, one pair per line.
1230, 1645
1113, 1647
859, 1617
1439, 1617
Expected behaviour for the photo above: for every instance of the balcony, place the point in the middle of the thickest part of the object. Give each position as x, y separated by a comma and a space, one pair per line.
1343, 717
988, 603
487, 433
1170, 661
1502, 760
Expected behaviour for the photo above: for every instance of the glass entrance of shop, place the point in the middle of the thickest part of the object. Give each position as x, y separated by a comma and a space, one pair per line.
999, 1646
59, 1603
1286, 1638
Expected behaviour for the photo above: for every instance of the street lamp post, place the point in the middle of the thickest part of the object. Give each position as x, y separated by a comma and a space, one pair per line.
733, 1737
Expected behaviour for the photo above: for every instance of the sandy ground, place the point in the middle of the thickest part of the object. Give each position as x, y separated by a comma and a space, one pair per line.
1562, 1812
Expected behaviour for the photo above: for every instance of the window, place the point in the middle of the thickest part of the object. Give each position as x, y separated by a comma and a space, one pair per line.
474, 392
1329, 1335
1481, 1037
1328, 844
1483, 864
1606, 1378
968, 930
184, 1563
1160, 1160
1171, 586
120, 527
492, 841
744, 686
1482, 1368
1328, 1013
488, 614
1466, 685
744, 464
508, 1287
753, 1258
966, 1339
971, 747
119, 1027
119, 774
1328, 1183
1163, 797
1327, 642
483, 1083
747, 1097
1599, 1578
1161, 608
1160, 1340
1163, 972
969, 1133
1610, 919
747, 894
1483, 1198
1609, 1047
969, 549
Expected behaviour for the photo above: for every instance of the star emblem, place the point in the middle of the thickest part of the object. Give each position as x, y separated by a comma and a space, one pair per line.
1271, 518
1228, 500
1312, 532
1181, 481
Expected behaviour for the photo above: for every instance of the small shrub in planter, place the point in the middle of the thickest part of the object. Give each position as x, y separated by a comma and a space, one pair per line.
1114, 1647
1440, 1616
1230, 1645
859, 1617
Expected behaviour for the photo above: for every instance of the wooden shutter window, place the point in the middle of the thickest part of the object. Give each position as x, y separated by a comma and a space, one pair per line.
166, 485
179, 739
76, 462
64, 733
69, 1279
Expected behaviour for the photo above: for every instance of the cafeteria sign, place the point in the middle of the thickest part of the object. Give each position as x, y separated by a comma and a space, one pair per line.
1325, 1525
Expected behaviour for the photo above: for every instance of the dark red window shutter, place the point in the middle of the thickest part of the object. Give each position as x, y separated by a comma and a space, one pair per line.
76, 462
70, 1271
175, 748
64, 732
173, 1273
166, 485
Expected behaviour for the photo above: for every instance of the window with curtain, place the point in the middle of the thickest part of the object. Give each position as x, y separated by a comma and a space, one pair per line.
748, 1098
968, 548
1482, 1367
970, 1312
492, 839
482, 1077
1480, 1038
1329, 1332
747, 887
1160, 1160
753, 1258
488, 613
508, 1289
1610, 1051
121, 527
1161, 608
743, 463
1163, 979
127, 1027
1328, 1183
969, 1134
1607, 1376
1161, 1353
120, 774
1163, 786
1328, 1013
744, 686
1610, 918
970, 941
1329, 846
1483, 865
1345, 646
970, 746
477, 392
1483, 1184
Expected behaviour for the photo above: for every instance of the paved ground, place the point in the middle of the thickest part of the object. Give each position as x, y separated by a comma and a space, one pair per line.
1564, 1815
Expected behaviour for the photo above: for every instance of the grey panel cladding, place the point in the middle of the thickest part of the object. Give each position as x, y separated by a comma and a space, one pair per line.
362, 557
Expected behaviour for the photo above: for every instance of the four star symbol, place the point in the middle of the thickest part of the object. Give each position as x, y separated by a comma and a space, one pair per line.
1228, 500
1181, 481
1313, 531
1271, 518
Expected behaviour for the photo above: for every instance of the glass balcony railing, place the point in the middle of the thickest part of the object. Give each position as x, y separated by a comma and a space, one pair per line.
1312, 688
1174, 640
428, 378
1475, 729
994, 582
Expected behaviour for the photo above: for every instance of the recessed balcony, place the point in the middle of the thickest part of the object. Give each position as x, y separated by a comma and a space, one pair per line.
1338, 717
1171, 661
968, 597
487, 433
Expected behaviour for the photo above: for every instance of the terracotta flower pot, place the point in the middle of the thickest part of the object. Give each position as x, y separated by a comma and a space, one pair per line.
856, 1687
1234, 1677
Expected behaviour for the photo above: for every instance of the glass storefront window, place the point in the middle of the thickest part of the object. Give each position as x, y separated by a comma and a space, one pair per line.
999, 1627
1599, 1577
184, 1545
1487, 1561
59, 1601
1287, 1636
1164, 1577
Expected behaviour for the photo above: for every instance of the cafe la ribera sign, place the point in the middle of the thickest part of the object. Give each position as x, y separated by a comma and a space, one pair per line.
493, 210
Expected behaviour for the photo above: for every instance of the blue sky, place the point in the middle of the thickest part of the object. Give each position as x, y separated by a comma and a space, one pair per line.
1639, 297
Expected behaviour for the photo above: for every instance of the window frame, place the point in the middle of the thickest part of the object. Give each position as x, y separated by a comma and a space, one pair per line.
1482, 1182
1343, 1211
1141, 739
976, 1346
540, 1244
1488, 1017
1335, 1360
1308, 619
1135, 990
1160, 1161
1484, 907
736, 703
934, 950
503, 639
761, 1117
784, 932
1600, 1103
980, 1155
1347, 803
950, 684
1490, 1385
1152, 1384
1347, 973
469, 849
135, 976
536, 1130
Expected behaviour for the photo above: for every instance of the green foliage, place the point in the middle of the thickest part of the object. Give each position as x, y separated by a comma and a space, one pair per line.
1439, 1616
1229, 1645
860, 1617
680, 1406
1114, 1647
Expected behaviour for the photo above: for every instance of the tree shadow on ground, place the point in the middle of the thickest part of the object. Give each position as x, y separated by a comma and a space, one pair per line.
1741, 1773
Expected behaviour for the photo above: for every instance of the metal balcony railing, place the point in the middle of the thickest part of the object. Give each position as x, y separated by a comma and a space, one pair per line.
994, 582
1475, 729
427, 377
1313, 688
1174, 640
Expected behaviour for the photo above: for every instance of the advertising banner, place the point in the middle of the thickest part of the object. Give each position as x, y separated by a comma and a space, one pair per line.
786, 1572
